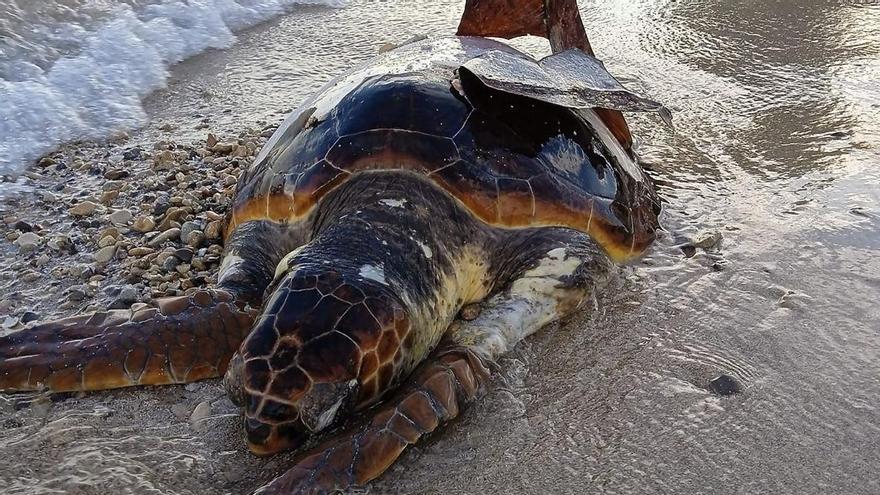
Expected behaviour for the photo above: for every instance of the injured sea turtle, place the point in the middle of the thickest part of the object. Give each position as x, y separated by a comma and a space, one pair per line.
442, 174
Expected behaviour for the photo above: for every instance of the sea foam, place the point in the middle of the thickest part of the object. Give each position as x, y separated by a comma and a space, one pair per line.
94, 85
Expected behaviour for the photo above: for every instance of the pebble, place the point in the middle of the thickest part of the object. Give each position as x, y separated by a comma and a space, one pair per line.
83, 209
184, 254
106, 241
120, 217
27, 242
725, 385
170, 234
126, 297
22, 226
105, 254
202, 411
144, 224
28, 317
709, 241
108, 197
187, 228
59, 243
195, 239
214, 230
223, 148
77, 293
141, 251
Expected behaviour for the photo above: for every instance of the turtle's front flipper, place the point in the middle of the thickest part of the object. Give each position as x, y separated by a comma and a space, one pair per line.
552, 274
181, 339
438, 392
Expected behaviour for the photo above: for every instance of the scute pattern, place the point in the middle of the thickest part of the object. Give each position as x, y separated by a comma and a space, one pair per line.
513, 161
320, 329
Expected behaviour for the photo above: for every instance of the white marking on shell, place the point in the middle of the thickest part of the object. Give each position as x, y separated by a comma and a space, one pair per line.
371, 272
425, 249
393, 203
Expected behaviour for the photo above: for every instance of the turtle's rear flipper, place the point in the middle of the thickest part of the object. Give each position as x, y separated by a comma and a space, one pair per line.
557, 20
181, 339
439, 391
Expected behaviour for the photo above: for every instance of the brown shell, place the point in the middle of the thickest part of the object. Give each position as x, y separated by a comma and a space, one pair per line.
513, 161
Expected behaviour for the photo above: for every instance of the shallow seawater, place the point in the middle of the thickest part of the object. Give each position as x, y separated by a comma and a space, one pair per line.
776, 152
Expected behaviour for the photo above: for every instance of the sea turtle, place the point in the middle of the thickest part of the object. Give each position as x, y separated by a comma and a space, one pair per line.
442, 174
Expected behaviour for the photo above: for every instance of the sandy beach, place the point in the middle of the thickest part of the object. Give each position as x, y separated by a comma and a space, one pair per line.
767, 269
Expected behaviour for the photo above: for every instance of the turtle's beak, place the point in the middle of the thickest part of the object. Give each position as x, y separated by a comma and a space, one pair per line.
265, 439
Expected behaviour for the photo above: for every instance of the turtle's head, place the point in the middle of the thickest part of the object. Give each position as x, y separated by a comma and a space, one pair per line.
314, 353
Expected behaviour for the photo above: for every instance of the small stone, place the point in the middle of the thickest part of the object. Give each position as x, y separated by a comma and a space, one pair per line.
184, 254
211, 141
214, 230
116, 174
23, 226
127, 296
43, 260
120, 217
166, 127
113, 185
725, 385
689, 250
106, 241
170, 264
141, 251
27, 242
111, 231
108, 197
709, 241
77, 293
132, 154
46, 162
172, 217
28, 317
144, 224
202, 411
83, 209
105, 254
48, 197
223, 148
195, 239
187, 228
59, 243
170, 234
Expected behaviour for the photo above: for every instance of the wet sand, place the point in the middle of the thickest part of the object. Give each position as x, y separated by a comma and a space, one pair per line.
777, 149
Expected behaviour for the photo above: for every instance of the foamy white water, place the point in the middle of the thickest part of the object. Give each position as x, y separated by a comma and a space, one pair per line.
78, 69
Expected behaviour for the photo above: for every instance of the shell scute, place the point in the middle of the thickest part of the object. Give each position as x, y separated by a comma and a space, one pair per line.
513, 160
410, 102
